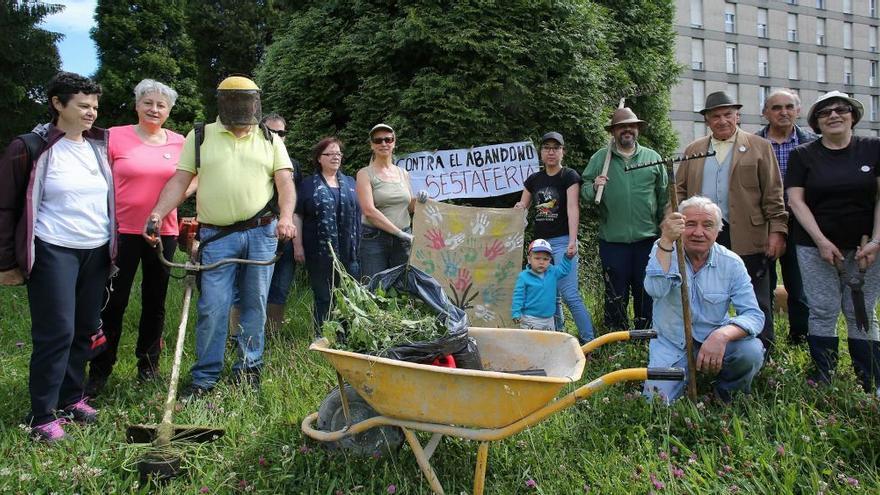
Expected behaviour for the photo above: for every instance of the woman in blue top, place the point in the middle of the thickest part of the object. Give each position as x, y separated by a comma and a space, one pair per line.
327, 213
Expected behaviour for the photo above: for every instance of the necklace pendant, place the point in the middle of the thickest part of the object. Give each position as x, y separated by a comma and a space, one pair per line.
94, 171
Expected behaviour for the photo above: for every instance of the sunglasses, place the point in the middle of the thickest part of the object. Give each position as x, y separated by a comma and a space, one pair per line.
826, 112
280, 133
380, 140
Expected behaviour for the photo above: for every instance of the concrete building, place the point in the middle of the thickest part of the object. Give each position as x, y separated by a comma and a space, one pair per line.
752, 47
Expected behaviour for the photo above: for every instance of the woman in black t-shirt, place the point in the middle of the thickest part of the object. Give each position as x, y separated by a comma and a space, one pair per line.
832, 186
555, 191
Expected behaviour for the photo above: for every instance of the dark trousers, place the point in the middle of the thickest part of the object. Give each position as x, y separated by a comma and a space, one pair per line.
624, 265
380, 251
133, 250
759, 268
798, 310
320, 279
65, 294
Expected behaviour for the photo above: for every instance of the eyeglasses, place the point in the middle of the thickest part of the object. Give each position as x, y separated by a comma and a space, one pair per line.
554, 149
826, 112
380, 140
332, 155
280, 133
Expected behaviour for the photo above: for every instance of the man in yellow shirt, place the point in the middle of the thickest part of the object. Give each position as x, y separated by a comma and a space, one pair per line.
240, 167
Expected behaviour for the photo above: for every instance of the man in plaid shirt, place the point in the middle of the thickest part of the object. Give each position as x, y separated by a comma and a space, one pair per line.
781, 109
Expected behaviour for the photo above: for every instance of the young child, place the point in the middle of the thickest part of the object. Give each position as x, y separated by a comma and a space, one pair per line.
534, 296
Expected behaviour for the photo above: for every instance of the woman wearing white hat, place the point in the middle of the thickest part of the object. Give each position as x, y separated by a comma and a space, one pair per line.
832, 185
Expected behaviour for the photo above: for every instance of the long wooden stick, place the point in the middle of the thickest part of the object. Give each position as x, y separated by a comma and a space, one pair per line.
601, 189
685, 295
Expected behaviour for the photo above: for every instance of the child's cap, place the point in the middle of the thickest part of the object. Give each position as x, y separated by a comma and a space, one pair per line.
540, 246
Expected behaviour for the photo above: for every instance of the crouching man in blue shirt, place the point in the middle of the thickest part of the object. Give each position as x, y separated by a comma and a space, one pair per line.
725, 345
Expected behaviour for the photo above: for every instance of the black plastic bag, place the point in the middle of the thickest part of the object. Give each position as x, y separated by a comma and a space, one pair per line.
405, 278
468, 357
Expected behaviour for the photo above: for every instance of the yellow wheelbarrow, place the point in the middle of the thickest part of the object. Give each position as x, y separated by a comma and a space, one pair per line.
524, 370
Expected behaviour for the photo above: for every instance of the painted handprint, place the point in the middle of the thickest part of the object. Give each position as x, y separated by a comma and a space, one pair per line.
504, 271
480, 224
450, 264
434, 215
491, 296
463, 281
435, 237
484, 313
513, 242
426, 262
493, 250
454, 241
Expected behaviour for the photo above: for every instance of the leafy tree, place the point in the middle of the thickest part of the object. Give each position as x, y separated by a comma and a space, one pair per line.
144, 39
28, 59
450, 75
230, 38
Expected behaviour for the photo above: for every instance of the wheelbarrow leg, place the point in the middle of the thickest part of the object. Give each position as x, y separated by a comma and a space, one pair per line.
424, 464
480, 471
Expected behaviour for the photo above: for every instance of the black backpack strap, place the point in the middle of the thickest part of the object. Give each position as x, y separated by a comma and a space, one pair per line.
34, 144
199, 130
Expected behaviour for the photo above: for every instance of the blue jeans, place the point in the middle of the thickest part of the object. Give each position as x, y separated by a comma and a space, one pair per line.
568, 289
216, 298
282, 277
380, 251
742, 361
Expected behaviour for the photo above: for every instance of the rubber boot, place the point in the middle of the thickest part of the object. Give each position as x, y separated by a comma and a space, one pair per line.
274, 317
824, 351
865, 356
234, 319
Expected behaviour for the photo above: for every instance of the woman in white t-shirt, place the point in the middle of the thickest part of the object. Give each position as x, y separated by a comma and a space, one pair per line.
63, 246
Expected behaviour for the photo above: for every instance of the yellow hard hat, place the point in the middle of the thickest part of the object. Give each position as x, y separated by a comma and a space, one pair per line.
239, 83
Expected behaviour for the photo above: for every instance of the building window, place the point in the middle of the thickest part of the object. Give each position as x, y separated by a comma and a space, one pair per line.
730, 57
872, 75
696, 54
699, 130
847, 35
821, 75
697, 13
792, 65
847, 6
733, 91
820, 31
875, 108
872, 39
792, 27
699, 91
791, 2
763, 62
847, 71
872, 8
763, 30
729, 17
820, 4
763, 93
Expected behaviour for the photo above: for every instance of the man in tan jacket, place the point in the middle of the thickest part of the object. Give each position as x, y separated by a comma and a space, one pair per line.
743, 179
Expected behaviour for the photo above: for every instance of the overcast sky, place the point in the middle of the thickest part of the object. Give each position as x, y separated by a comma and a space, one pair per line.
78, 53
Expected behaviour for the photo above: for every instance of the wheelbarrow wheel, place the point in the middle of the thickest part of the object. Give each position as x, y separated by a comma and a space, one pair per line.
382, 440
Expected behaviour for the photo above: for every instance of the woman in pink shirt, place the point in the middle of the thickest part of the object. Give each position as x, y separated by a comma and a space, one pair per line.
143, 157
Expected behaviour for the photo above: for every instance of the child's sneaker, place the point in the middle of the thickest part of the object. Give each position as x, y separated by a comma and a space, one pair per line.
50, 432
82, 412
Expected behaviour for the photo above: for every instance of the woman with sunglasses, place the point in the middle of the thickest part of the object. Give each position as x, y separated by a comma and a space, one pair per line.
327, 213
386, 200
832, 185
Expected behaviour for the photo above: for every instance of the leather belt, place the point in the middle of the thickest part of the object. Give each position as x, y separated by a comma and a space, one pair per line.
249, 224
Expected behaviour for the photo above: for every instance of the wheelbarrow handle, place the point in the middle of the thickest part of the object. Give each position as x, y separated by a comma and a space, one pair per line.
617, 337
647, 334
671, 374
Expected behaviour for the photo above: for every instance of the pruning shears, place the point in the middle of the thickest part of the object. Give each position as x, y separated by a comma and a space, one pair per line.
855, 282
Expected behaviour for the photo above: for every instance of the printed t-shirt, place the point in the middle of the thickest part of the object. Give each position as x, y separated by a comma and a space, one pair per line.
840, 188
140, 171
550, 200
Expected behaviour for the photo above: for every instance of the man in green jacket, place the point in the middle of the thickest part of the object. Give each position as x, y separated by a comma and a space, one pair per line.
630, 211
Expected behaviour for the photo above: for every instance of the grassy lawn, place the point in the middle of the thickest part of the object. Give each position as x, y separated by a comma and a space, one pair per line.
788, 437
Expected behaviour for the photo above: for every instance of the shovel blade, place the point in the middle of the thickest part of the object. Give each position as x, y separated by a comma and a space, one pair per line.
183, 433
861, 314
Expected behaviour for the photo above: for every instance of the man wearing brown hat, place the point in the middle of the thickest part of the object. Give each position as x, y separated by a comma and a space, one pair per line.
630, 211
743, 179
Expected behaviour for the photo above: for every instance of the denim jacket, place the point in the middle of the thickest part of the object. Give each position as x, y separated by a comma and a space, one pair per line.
722, 281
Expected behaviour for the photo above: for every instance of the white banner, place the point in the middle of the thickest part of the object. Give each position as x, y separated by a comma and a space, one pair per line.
481, 172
